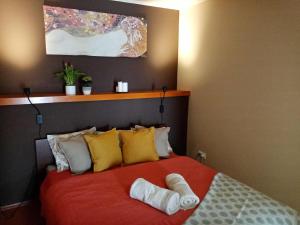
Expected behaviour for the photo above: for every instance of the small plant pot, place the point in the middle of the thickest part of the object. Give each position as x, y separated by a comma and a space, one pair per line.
86, 90
70, 90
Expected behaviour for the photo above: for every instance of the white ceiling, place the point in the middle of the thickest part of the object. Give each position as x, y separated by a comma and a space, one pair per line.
170, 4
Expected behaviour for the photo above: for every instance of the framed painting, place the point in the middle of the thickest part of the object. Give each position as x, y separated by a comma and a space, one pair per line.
80, 32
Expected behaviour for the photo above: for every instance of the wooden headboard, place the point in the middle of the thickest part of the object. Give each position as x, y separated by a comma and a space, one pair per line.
44, 156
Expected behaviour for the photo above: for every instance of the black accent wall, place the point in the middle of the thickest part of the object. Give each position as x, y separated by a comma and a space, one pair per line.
17, 123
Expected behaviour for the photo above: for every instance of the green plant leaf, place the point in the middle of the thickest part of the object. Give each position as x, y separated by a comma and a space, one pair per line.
69, 74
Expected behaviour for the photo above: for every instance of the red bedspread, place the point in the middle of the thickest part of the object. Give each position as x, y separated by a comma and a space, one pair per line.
103, 198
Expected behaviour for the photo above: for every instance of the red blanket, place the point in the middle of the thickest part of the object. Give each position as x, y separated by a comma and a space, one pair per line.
103, 198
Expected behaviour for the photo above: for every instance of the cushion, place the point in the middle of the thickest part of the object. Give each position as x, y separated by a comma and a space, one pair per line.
138, 146
51, 168
105, 149
161, 140
77, 154
54, 140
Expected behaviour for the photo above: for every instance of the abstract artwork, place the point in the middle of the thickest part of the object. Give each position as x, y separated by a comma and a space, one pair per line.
79, 32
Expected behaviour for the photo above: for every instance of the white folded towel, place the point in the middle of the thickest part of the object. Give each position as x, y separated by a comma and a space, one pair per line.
177, 183
159, 198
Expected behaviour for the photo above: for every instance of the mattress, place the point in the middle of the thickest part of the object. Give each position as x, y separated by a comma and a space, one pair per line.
103, 198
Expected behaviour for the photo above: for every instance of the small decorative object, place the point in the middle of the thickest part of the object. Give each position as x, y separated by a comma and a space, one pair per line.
86, 82
70, 76
122, 87
80, 32
119, 87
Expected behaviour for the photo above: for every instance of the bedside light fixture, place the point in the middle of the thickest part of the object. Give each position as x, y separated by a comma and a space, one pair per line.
39, 116
162, 107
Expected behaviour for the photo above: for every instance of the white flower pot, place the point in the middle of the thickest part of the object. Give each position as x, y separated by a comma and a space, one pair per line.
86, 90
70, 90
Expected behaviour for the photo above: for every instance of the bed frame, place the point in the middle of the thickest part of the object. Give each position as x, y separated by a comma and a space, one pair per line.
44, 157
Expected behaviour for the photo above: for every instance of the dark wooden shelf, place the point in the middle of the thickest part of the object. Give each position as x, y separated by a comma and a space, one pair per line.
46, 98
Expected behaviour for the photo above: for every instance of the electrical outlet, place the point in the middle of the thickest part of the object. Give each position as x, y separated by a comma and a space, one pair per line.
39, 119
201, 154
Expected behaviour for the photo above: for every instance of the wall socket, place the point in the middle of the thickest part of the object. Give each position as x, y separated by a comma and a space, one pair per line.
39, 119
201, 155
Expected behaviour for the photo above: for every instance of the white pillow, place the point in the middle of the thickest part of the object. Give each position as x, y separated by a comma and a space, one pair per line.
54, 142
161, 140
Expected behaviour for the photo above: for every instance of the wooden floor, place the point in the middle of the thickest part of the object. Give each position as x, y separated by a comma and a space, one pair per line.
25, 215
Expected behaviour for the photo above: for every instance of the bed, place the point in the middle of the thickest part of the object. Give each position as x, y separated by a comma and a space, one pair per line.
102, 198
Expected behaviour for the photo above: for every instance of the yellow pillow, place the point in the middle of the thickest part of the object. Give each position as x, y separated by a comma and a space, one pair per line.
105, 149
138, 146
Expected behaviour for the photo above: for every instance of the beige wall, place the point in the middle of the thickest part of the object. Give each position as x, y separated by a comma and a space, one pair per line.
241, 60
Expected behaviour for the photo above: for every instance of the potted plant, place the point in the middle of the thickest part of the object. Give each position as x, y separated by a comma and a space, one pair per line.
86, 83
70, 76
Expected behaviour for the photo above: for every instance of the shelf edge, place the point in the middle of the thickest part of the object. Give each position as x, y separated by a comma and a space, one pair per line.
9, 100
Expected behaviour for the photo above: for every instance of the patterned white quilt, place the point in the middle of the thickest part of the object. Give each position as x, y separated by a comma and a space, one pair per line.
229, 202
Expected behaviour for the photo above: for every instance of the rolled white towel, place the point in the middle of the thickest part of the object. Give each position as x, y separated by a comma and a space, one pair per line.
177, 183
159, 198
